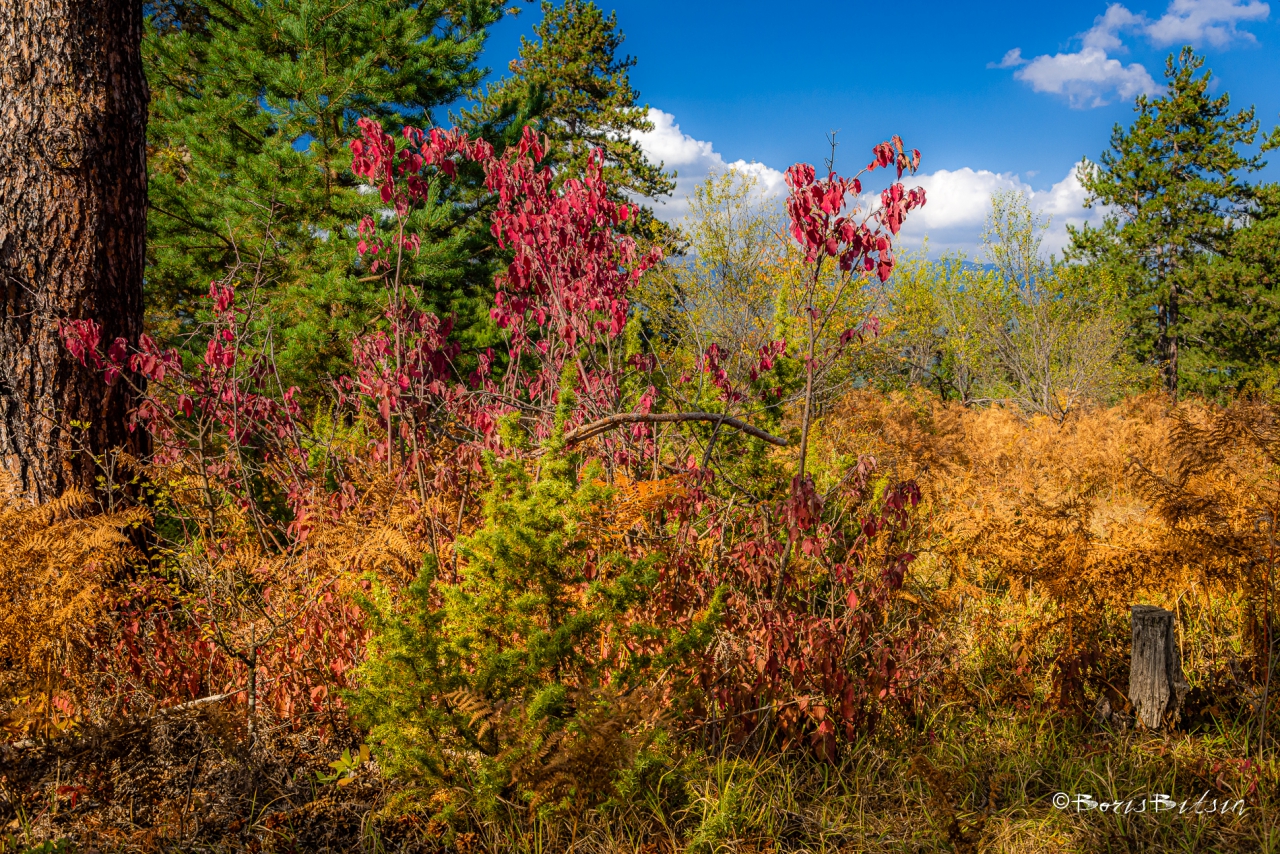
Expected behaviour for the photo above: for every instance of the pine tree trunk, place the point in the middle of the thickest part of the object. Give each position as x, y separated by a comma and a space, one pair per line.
1156, 684
73, 108
1171, 342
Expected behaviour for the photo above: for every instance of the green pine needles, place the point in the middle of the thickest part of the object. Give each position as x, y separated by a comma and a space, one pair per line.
587, 101
516, 679
1174, 185
572, 84
254, 105
1236, 330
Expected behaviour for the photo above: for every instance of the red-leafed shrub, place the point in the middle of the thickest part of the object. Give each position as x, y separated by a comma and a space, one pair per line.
271, 523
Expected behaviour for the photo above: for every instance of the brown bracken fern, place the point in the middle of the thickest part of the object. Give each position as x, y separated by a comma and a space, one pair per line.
1145, 501
57, 564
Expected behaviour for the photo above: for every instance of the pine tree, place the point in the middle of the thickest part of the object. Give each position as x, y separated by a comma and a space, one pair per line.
1235, 331
573, 85
254, 105
73, 112
1173, 183
522, 675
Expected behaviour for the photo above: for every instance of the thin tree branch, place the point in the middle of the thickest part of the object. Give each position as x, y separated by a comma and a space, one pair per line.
595, 428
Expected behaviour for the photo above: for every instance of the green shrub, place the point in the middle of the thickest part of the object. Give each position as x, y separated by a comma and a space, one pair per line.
523, 679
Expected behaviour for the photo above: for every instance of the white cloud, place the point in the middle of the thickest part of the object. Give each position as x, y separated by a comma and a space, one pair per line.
1105, 32
693, 160
1206, 21
1011, 59
1091, 78
953, 217
1087, 79
959, 201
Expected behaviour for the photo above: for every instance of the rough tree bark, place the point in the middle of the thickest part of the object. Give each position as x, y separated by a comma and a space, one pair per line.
1156, 683
73, 182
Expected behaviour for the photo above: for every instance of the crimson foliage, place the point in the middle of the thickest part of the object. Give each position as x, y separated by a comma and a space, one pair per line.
813, 639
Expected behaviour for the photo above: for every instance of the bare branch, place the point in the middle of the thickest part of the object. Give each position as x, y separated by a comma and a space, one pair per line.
595, 428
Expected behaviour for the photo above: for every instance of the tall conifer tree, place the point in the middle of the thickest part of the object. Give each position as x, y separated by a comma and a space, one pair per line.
254, 106
1173, 183
73, 112
572, 84
1235, 331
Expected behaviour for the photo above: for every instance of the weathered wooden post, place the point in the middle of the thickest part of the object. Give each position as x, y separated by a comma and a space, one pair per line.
1156, 684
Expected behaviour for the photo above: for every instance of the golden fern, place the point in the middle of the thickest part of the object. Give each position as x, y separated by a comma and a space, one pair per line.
631, 506
1142, 501
58, 561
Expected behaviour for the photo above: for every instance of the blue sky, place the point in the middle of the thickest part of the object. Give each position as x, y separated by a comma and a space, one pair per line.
997, 94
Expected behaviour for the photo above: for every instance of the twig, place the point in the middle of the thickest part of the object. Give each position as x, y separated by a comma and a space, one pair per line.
595, 428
